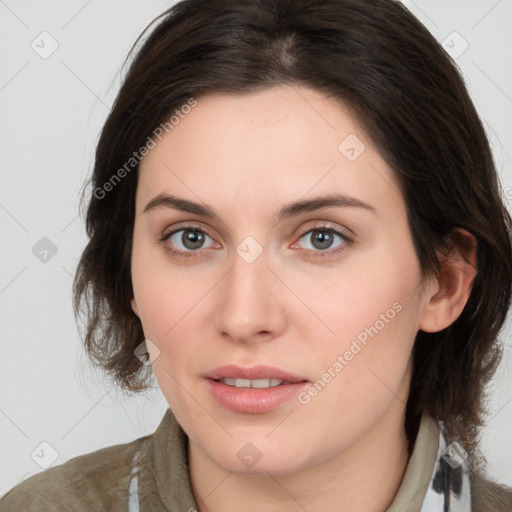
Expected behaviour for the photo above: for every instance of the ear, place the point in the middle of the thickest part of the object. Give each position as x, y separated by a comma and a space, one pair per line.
458, 270
134, 306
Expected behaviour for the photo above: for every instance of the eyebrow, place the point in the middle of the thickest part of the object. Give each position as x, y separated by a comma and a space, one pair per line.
294, 209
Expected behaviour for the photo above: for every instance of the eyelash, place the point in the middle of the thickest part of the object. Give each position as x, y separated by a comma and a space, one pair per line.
321, 254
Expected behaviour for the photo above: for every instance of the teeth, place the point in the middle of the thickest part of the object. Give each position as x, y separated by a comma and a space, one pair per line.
247, 383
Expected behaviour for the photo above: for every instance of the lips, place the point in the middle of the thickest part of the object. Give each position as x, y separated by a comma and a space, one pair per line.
254, 373
254, 390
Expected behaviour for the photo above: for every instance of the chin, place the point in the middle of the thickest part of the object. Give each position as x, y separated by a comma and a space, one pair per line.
264, 467
260, 456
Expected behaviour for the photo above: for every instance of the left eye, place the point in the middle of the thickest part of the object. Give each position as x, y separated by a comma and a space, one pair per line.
322, 238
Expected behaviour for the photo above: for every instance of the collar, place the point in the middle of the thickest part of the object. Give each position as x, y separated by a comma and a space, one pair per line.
436, 478
449, 487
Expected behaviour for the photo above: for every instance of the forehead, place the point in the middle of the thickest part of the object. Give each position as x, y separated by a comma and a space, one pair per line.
259, 149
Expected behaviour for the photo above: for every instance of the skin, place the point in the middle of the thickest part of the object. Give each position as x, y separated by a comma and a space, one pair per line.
245, 156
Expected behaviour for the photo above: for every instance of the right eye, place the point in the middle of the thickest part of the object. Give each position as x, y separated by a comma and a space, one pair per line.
185, 241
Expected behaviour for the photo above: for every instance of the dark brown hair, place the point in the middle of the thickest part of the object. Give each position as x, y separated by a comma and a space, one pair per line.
407, 94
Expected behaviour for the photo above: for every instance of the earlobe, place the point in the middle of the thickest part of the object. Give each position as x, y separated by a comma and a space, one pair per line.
458, 271
134, 306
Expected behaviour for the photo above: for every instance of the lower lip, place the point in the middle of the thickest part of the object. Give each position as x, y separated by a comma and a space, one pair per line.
253, 400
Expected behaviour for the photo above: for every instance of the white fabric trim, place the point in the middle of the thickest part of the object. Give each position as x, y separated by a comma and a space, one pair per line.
449, 487
133, 500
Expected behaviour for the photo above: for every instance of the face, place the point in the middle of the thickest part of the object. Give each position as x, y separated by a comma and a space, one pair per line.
322, 298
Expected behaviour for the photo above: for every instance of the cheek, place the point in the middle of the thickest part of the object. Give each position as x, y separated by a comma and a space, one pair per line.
372, 315
162, 293
370, 298
364, 369
168, 302
166, 313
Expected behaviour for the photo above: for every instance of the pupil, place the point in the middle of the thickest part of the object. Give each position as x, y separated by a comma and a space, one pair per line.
193, 239
323, 238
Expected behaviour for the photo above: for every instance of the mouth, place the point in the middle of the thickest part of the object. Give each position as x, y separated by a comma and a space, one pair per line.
255, 384
255, 374
254, 390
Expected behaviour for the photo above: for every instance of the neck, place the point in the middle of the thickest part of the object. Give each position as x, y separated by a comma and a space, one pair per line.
364, 478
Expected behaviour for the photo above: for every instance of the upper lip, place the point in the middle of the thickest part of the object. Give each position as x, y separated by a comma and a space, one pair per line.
253, 373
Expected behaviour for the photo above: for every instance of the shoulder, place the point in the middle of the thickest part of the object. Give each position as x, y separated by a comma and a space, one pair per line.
489, 496
94, 481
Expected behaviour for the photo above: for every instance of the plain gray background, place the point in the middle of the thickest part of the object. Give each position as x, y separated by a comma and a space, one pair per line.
51, 110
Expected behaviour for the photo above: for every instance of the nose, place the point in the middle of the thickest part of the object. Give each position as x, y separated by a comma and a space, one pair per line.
251, 302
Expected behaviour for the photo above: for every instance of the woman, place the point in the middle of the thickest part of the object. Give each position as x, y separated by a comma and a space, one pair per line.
296, 222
